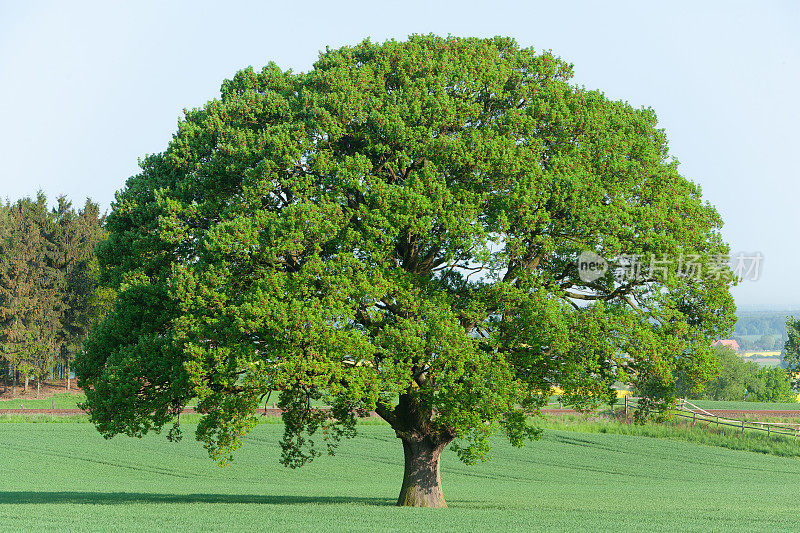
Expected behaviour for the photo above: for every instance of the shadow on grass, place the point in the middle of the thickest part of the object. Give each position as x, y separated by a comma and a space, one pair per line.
115, 498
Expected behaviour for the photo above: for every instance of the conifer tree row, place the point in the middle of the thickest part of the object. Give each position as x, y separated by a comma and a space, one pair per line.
48, 286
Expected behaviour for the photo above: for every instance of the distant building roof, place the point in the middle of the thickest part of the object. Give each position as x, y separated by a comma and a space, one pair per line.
729, 343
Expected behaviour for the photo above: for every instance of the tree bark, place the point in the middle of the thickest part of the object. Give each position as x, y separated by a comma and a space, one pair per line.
423, 441
67, 372
422, 482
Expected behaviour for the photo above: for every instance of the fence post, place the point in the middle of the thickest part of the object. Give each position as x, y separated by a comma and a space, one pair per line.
795, 434
626, 406
717, 422
768, 426
742, 427
694, 417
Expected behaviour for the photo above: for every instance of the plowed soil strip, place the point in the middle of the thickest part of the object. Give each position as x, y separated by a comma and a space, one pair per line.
723, 413
726, 413
74, 412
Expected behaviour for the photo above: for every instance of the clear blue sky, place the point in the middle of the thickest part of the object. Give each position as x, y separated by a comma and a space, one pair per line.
86, 88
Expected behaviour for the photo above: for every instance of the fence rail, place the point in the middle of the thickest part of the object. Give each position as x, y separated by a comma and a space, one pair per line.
686, 409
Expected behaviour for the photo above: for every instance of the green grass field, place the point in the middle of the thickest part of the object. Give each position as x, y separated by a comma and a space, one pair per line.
66, 477
64, 400
681, 429
70, 401
713, 404
67, 400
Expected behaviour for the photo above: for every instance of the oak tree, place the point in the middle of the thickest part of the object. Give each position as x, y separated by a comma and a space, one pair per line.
398, 230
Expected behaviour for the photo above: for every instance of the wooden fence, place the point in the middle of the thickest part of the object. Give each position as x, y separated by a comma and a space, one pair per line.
688, 410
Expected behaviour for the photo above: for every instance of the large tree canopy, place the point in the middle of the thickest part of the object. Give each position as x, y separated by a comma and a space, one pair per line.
398, 230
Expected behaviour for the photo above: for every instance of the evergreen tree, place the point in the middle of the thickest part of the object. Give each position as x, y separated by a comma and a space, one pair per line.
80, 234
22, 257
48, 284
48, 288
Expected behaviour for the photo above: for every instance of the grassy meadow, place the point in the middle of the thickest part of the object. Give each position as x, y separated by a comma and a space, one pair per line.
64, 476
681, 429
64, 400
747, 406
70, 401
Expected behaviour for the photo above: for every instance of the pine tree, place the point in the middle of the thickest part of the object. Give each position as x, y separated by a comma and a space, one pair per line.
78, 235
48, 287
23, 252
6, 289
48, 284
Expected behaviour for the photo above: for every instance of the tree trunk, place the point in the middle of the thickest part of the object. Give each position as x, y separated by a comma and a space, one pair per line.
13, 381
422, 482
38, 386
67, 372
25, 388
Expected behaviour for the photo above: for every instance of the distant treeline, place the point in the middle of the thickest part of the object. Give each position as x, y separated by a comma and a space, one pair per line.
761, 323
761, 330
740, 380
49, 295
